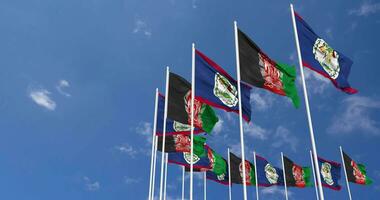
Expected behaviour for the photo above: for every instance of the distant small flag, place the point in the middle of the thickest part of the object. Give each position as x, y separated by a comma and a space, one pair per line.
296, 176
182, 143
237, 171
356, 173
217, 88
179, 105
258, 70
200, 162
330, 173
267, 174
319, 56
172, 127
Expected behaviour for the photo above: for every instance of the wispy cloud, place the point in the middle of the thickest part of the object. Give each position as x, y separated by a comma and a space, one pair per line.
329, 33
127, 149
316, 83
62, 84
366, 8
142, 27
91, 185
145, 129
194, 4
218, 127
261, 100
255, 131
283, 137
130, 180
41, 97
274, 190
356, 115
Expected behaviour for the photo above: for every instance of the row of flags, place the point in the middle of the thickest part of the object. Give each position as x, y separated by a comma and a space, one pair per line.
216, 89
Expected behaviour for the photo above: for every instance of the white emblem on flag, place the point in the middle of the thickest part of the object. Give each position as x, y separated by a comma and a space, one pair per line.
225, 91
179, 127
327, 57
271, 174
187, 157
326, 173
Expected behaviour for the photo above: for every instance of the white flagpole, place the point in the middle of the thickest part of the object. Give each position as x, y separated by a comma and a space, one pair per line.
192, 118
229, 175
164, 132
166, 174
345, 173
315, 179
183, 182
314, 147
284, 173
256, 179
240, 110
154, 166
153, 144
204, 186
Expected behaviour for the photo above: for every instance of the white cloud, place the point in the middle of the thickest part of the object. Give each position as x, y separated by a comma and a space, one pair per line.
365, 9
145, 129
356, 115
315, 82
129, 180
127, 149
274, 190
62, 84
255, 131
218, 127
283, 137
91, 185
41, 97
142, 27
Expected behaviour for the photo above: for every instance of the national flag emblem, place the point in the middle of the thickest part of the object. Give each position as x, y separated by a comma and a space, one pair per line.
330, 173
200, 161
296, 175
237, 171
267, 174
356, 173
181, 143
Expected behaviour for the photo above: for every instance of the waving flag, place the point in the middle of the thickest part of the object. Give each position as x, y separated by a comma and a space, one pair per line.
267, 174
258, 70
330, 173
200, 161
172, 127
356, 173
182, 143
296, 175
319, 56
237, 171
217, 88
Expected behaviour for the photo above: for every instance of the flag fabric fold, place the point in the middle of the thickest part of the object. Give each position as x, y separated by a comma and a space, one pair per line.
237, 171
182, 143
330, 173
296, 176
267, 174
356, 173
200, 162
320, 57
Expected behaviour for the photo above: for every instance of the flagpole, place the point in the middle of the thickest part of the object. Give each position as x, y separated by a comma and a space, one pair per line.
204, 186
192, 118
166, 174
314, 148
284, 173
229, 175
256, 179
153, 143
315, 179
345, 173
154, 166
183, 182
240, 111
164, 132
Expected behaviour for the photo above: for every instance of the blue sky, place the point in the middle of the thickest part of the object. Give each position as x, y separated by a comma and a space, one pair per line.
78, 78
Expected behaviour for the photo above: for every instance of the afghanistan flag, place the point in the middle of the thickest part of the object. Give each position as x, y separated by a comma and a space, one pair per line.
319, 56
182, 143
296, 175
200, 162
217, 88
258, 70
172, 127
356, 173
237, 171
330, 173
267, 174
179, 105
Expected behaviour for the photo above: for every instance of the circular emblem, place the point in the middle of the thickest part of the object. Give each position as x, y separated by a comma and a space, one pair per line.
359, 176
221, 177
197, 109
225, 91
271, 174
179, 127
247, 172
270, 73
182, 143
298, 174
187, 157
326, 173
327, 57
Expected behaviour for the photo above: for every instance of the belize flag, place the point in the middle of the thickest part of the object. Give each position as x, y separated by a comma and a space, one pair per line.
200, 162
330, 173
217, 88
267, 174
172, 127
319, 56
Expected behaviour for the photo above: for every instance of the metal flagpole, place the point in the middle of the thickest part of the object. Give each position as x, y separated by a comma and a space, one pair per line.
192, 118
256, 179
314, 148
240, 110
164, 132
229, 175
183, 182
315, 179
154, 166
153, 144
166, 174
345, 173
284, 173
204, 186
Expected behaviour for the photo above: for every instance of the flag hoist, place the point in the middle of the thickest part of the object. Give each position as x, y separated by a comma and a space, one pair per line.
313, 145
